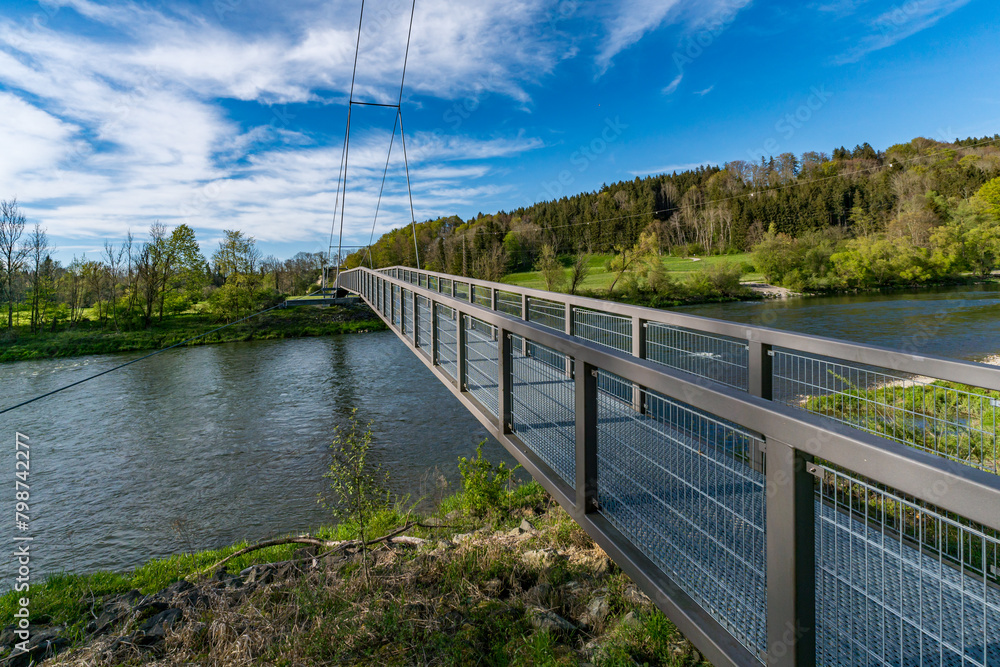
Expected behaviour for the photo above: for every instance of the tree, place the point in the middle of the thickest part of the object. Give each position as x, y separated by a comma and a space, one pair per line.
359, 487
41, 275
627, 258
579, 272
12, 252
237, 260
551, 269
989, 195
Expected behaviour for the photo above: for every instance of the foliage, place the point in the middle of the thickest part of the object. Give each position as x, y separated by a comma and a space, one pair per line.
486, 486
359, 486
579, 272
550, 268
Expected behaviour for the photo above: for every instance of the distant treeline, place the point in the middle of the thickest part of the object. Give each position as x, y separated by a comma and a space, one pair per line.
907, 190
133, 284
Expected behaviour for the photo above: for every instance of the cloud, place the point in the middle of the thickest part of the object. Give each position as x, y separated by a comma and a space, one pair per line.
672, 86
671, 168
706, 91
897, 24
115, 133
631, 20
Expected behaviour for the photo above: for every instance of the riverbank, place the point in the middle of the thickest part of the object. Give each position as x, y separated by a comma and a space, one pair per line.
88, 338
522, 585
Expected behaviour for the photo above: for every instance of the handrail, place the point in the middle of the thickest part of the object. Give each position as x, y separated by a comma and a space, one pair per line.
942, 368
802, 450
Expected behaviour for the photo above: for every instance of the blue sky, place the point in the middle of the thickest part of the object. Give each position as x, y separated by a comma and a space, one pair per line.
229, 114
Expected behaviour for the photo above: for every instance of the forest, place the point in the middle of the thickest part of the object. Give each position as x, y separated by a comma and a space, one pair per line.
915, 213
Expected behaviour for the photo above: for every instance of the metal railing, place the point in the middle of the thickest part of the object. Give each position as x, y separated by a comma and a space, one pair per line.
785, 499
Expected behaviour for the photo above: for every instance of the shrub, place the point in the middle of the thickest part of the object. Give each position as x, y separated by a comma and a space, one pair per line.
486, 485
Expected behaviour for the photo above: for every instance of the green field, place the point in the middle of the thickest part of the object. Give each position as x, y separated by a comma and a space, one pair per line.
600, 278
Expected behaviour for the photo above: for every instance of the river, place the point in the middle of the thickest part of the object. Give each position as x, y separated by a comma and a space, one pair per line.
201, 447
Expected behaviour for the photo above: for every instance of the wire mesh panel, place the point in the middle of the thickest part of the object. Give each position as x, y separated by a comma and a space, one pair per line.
948, 419
673, 481
447, 337
444, 285
483, 296
603, 328
543, 409
462, 291
547, 313
432, 283
481, 367
423, 328
718, 358
900, 582
509, 302
396, 306
423, 280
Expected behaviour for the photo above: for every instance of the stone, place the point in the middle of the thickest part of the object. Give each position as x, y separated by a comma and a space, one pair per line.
633, 595
154, 629
597, 610
540, 558
543, 619
630, 620
539, 594
463, 537
527, 527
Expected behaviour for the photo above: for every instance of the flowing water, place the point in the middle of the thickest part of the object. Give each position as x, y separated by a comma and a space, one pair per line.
201, 447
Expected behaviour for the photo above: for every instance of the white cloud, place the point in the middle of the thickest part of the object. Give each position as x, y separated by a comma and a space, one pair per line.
631, 20
706, 91
899, 23
102, 136
672, 86
671, 168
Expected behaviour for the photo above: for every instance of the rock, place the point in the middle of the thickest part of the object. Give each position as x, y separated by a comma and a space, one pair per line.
539, 594
463, 537
175, 589
539, 558
542, 619
596, 611
433, 521
633, 595
527, 527
154, 629
630, 620
453, 515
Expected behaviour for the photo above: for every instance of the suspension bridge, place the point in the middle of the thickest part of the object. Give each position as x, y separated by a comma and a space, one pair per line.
785, 499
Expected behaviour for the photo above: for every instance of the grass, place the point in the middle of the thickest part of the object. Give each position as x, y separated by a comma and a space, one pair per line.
90, 338
467, 601
600, 278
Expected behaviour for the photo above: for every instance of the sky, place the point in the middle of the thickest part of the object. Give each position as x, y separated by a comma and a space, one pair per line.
231, 114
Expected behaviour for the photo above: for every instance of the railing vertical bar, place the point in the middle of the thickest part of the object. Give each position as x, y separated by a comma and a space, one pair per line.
460, 345
791, 557
586, 438
761, 369
505, 380
434, 333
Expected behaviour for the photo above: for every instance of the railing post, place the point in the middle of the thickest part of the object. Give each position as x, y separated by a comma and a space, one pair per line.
760, 380
569, 332
416, 329
638, 350
434, 333
791, 557
460, 349
505, 377
524, 307
586, 437
494, 296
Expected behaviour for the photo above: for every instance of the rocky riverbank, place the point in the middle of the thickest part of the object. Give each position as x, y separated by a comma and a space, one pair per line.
529, 588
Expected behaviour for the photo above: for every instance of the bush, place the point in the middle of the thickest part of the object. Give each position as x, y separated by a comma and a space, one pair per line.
717, 279
486, 485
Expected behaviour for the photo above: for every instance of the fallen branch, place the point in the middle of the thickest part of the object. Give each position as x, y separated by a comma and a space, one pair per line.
331, 545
